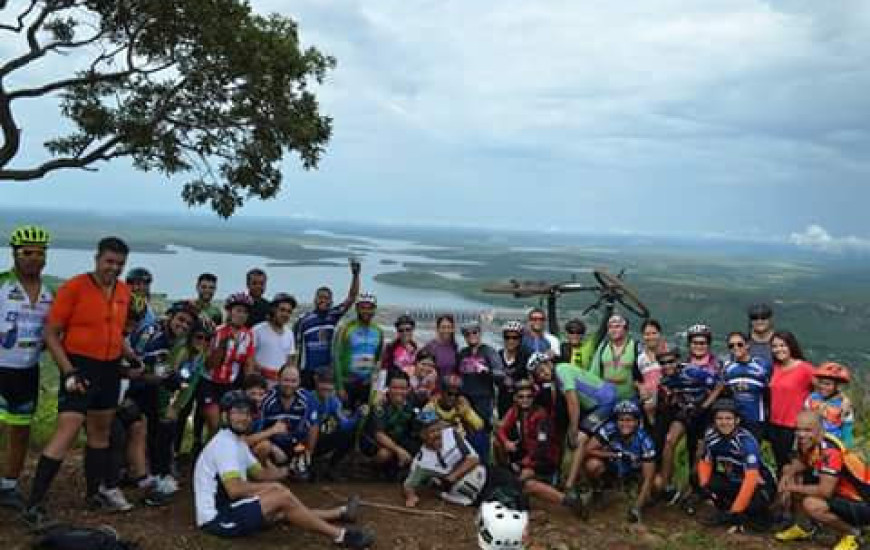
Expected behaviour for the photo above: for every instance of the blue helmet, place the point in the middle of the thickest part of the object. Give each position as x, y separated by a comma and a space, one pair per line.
627, 406
427, 417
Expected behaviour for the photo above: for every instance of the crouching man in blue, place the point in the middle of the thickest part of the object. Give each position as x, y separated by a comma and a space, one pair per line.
235, 496
290, 405
337, 429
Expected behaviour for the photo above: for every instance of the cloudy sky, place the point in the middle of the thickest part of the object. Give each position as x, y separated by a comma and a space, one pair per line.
738, 117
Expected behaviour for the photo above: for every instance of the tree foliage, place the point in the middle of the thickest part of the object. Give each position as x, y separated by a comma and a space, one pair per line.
202, 88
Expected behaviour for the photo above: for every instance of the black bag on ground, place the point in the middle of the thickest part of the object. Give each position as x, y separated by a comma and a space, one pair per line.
68, 537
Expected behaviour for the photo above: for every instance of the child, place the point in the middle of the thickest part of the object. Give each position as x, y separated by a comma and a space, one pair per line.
829, 402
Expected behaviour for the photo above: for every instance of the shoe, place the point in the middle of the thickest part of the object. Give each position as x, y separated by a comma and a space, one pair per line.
671, 496
36, 518
166, 484
848, 542
157, 498
351, 510
11, 498
356, 538
793, 533
110, 500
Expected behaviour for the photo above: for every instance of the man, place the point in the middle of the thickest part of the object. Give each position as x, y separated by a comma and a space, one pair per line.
256, 282
206, 286
235, 496
24, 303
821, 483
731, 473
314, 331
289, 404
535, 338
760, 331
85, 336
614, 360
454, 409
273, 340
336, 428
358, 347
390, 438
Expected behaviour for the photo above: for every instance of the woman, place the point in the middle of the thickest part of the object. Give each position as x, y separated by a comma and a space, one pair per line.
480, 368
401, 353
425, 383
790, 386
444, 347
514, 359
746, 378
648, 370
189, 365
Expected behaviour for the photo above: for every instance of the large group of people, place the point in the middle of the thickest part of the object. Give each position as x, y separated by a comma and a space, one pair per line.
268, 402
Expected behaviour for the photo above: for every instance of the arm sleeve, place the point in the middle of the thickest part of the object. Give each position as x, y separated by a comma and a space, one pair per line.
705, 471
747, 489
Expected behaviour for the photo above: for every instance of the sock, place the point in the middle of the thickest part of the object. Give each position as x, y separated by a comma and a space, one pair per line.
93, 471
163, 453
46, 469
111, 470
340, 538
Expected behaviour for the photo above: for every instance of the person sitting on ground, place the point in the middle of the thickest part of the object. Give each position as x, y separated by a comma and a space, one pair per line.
389, 436
289, 404
357, 354
259, 437
453, 408
623, 450
337, 428
273, 339
746, 380
446, 462
514, 358
235, 496
424, 382
827, 483
830, 403
732, 474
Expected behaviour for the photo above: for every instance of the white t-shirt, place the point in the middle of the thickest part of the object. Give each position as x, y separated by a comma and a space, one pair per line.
272, 348
226, 456
454, 449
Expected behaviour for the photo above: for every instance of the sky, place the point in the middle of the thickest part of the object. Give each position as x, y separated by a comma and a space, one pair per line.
738, 118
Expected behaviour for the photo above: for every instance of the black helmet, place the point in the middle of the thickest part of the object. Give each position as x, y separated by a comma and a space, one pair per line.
724, 404
237, 399
759, 311
139, 274
283, 298
575, 326
183, 306
405, 320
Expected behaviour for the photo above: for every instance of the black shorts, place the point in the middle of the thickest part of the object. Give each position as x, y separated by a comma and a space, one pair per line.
855, 513
104, 386
210, 393
241, 518
19, 393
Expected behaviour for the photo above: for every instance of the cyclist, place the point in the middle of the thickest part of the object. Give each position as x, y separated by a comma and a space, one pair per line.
190, 365
571, 350
514, 358
401, 353
236, 496
746, 379
820, 482
139, 280
230, 358
389, 436
454, 409
314, 330
358, 347
700, 340
290, 404
831, 404
85, 336
614, 360
536, 338
480, 368
623, 450
548, 394
731, 472
273, 340
206, 286
25, 299
336, 428
444, 347
255, 280
760, 331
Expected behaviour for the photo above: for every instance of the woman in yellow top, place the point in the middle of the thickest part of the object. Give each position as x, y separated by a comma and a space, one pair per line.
452, 407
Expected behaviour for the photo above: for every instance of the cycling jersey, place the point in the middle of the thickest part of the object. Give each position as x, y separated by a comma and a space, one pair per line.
226, 457
445, 356
357, 353
239, 348
21, 322
330, 415
687, 389
533, 343
617, 368
592, 392
649, 372
300, 415
827, 458
836, 413
632, 451
400, 356
747, 383
314, 332
210, 311
732, 456
479, 368
397, 422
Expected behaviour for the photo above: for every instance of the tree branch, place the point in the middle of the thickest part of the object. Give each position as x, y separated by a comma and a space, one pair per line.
11, 133
21, 17
103, 152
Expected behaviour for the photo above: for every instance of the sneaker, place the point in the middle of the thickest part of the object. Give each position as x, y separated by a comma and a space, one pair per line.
36, 518
848, 542
157, 498
671, 496
147, 482
166, 484
793, 533
573, 501
351, 510
356, 538
110, 500
11, 498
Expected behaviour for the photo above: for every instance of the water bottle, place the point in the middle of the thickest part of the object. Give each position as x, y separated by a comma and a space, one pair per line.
11, 336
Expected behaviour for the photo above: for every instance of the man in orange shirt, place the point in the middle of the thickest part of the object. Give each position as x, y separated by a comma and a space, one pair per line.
85, 336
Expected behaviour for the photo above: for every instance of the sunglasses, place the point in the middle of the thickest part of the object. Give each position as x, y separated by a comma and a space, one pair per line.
426, 363
575, 333
470, 332
405, 329
513, 337
668, 362
758, 318
736, 345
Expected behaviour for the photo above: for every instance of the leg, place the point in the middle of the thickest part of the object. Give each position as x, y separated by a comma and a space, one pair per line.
818, 509
17, 440
577, 460
212, 419
98, 459
137, 449
278, 503
68, 425
595, 468
675, 433
384, 456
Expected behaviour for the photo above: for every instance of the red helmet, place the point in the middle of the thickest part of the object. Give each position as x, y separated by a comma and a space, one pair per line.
834, 371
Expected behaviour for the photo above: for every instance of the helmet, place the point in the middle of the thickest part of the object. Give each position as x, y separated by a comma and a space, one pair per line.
470, 326
626, 406
183, 306
239, 299
500, 527
427, 417
724, 404
699, 330
236, 399
834, 371
283, 298
31, 235
575, 326
139, 274
405, 320
512, 326
451, 382
536, 359
759, 311
138, 307
367, 298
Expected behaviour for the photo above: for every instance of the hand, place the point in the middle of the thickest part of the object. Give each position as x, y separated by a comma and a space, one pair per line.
411, 501
363, 410
403, 457
74, 383
355, 267
280, 428
510, 446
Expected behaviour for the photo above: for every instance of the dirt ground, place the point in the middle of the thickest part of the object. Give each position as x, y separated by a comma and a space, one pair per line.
552, 527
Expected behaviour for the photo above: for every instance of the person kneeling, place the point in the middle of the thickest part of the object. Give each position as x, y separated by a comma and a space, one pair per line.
235, 496
446, 462
731, 473
624, 451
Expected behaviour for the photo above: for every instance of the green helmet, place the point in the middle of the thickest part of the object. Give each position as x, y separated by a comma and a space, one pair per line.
29, 235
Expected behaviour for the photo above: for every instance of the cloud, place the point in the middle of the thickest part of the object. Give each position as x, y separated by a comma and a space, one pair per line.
818, 238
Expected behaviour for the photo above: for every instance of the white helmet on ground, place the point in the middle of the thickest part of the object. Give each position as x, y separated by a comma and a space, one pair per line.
500, 527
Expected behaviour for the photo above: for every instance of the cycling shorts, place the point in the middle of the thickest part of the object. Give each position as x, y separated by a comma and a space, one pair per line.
853, 512
19, 393
103, 386
239, 519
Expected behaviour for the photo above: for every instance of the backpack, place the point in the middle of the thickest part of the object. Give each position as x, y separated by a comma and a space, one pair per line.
68, 537
855, 468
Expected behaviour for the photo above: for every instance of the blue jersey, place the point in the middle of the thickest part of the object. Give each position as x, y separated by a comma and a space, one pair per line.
747, 382
314, 332
633, 451
733, 455
690, 386
300, 416
330, 415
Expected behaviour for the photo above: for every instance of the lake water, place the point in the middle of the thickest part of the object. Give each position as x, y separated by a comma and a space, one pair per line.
175, 272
